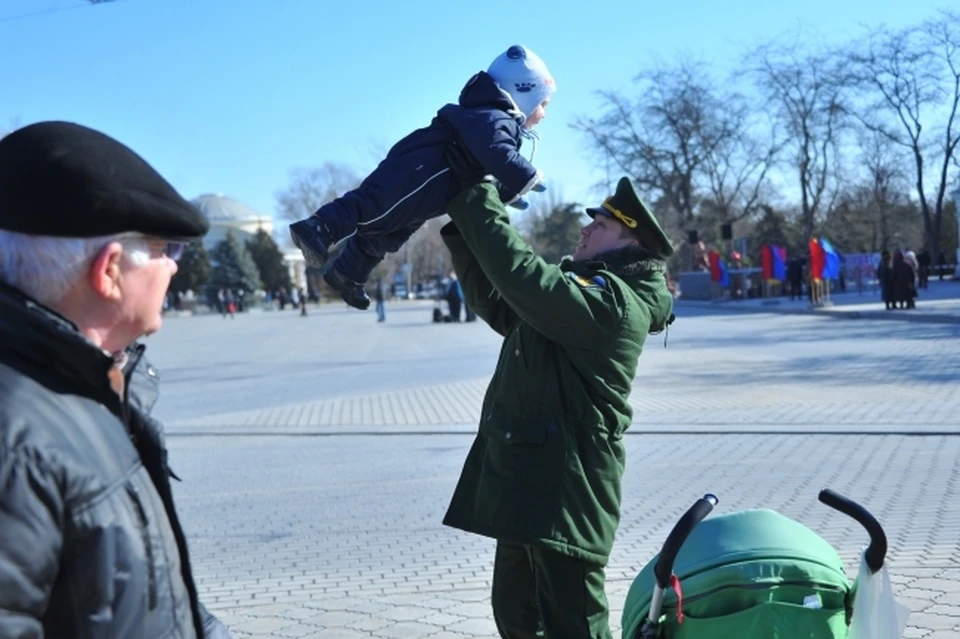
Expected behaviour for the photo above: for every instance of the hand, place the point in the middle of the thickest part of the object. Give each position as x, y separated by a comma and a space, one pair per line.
539, 187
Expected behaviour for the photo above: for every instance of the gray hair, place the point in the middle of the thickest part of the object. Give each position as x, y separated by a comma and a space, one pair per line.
46, 268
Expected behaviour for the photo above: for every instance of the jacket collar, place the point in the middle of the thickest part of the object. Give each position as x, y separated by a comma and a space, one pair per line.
631, 263
42, 339
626, 261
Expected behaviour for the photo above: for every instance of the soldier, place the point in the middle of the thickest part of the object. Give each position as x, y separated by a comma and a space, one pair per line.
543, 474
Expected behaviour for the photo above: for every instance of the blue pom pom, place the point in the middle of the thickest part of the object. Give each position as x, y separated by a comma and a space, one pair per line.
516, 52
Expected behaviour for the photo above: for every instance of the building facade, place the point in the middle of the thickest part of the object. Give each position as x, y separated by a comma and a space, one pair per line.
226, 214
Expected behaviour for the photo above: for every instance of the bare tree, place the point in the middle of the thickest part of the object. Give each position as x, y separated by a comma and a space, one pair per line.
552, 226
885, 180
689, 145
736, 168
802, 91
663, 139
311, 188
912, 79
424, 251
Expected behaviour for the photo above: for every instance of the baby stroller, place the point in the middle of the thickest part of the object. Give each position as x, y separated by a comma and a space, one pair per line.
757, 574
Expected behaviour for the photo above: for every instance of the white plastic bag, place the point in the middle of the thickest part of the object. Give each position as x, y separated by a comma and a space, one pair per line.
876, 614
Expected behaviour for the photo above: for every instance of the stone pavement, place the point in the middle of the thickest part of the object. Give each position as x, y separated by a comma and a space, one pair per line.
318, 455
341, 536
718, 372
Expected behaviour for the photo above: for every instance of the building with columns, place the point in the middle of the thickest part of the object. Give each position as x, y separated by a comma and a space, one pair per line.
226, 214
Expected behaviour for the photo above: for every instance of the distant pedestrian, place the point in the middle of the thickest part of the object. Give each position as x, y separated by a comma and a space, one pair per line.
923, 267
885, 280
378, 298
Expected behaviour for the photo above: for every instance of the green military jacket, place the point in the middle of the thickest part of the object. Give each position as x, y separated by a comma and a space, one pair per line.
548, 458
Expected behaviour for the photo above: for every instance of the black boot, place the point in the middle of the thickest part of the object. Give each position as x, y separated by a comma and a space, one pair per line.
351, 292
313, 240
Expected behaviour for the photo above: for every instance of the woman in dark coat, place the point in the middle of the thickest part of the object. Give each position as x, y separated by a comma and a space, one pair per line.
904, 290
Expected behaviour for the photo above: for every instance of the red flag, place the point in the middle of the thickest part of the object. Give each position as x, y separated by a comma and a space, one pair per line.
817, 259
714, 266
766, 262
718, 269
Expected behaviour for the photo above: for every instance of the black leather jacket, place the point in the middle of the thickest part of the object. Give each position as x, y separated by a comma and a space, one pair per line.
90, 544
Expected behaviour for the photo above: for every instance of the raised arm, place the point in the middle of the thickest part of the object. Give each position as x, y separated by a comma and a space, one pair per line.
543, 295
478, 292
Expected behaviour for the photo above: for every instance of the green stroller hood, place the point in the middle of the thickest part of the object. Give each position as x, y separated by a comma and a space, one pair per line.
734, 562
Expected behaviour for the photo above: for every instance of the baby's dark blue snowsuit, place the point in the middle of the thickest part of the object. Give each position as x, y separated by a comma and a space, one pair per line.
414, 183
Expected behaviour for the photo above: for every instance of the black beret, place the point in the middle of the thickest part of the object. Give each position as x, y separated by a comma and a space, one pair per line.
65, 180
627, 207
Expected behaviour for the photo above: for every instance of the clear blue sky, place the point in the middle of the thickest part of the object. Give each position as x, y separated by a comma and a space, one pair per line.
229, 95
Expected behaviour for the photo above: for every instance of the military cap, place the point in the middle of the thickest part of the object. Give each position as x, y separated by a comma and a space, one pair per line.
626, 207
65, 180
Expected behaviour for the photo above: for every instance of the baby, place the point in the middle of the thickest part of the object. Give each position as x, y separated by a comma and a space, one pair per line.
414, 183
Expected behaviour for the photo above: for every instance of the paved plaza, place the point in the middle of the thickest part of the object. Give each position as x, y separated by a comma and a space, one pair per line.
318, 456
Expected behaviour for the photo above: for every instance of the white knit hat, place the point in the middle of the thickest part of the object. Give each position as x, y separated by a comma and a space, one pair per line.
524, 76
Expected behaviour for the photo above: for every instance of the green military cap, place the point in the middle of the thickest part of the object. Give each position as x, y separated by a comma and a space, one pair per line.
626, 207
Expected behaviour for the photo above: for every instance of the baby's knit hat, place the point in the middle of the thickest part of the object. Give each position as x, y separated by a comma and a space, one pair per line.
524, 76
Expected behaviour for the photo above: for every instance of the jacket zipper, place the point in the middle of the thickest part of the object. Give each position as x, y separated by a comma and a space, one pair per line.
145, 536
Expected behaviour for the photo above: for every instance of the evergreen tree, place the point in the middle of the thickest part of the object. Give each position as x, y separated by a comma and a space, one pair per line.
554, 233
233, 267
193, 269
774, 228
269, 260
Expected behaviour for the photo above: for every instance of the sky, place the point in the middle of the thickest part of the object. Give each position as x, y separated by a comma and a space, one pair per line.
228, 96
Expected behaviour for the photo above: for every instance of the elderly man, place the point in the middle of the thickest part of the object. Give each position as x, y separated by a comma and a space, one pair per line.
543, 475
90, 542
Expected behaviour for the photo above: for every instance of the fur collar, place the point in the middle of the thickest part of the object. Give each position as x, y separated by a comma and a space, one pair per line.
629, 260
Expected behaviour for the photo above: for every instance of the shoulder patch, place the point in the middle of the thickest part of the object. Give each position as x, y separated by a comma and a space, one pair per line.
596, 281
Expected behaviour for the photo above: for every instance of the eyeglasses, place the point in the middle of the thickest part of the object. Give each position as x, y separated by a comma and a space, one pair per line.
155, 247
174, 250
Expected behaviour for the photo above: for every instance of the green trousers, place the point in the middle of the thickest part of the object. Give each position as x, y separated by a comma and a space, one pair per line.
540, 593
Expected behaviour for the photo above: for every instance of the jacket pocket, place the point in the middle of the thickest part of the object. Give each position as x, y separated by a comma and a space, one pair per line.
520, 478
134, 495
517, 432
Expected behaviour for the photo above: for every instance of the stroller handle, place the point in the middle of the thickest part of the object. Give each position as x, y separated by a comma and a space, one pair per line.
877, 550
664, 568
